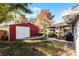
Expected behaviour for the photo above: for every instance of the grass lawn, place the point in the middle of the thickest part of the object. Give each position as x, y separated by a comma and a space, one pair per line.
31, 48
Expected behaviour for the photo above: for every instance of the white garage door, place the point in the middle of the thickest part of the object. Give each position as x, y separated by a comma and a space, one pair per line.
22, 32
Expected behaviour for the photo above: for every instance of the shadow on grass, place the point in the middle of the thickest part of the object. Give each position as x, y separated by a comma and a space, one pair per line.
31, 48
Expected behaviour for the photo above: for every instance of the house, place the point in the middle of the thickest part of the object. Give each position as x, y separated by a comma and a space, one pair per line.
71, 17
21, 31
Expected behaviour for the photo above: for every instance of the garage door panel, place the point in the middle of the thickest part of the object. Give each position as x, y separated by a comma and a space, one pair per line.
22, 32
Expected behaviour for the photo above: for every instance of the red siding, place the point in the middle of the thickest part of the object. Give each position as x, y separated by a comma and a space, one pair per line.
12, 32
33, 30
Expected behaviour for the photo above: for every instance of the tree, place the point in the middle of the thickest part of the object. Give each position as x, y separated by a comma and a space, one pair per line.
4, 13
6, 9
32, 20
44, 19
21, 19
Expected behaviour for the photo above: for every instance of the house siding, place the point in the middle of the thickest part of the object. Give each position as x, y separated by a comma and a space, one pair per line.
76, 36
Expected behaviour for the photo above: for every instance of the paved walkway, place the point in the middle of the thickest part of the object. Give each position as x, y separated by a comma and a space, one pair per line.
54, 39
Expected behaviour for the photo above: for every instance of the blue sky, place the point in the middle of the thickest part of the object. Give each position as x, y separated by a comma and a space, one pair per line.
55, 8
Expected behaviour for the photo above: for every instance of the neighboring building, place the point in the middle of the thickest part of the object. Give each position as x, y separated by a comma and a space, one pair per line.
20, 31
4, 26
71, 16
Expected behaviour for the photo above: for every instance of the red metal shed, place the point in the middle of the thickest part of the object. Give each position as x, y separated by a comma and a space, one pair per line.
17, 31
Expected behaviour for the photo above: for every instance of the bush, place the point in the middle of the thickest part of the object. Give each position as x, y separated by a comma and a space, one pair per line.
3, 35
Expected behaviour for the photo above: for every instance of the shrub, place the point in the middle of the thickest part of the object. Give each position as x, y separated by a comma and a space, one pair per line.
3, 35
